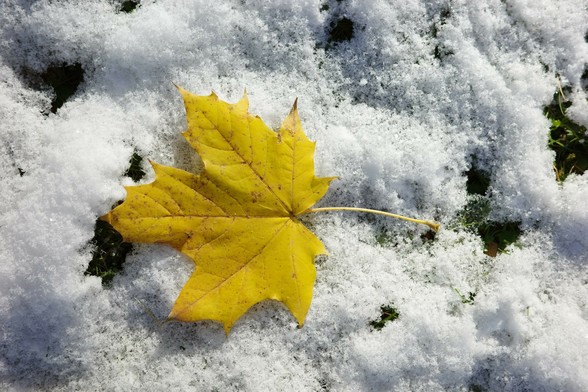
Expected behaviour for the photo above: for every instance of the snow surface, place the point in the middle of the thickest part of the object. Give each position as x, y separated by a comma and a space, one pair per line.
397, 124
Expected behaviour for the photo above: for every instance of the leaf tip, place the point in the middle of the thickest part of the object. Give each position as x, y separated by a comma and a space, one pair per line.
294, 109
106, 218
180, 89
169, 319
300, 318
292, 121
243, 103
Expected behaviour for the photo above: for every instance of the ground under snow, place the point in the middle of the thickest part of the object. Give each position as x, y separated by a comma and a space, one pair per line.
397, 120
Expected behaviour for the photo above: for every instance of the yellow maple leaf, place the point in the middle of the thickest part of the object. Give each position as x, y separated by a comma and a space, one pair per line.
237, 220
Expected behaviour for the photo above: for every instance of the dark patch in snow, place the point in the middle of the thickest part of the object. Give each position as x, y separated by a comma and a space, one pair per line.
389, 313
129, 6
341, 30
64, 79
109, 254
135, 170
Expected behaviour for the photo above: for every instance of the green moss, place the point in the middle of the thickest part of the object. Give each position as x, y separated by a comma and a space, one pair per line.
389, 314
383, 238
476, 212
135, 170
109, 252
469, 299
566, 138
497, 236
129, 6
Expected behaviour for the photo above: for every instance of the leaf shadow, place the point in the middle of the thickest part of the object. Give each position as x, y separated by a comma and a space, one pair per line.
503, 372
189, 338
148, 301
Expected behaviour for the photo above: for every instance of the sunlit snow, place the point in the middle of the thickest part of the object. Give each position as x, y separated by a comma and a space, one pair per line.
400, 112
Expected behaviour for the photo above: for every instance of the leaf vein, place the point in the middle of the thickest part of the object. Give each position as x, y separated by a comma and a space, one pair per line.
250, 165
245, 265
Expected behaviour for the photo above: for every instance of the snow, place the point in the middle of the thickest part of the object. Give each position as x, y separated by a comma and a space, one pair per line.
396, 123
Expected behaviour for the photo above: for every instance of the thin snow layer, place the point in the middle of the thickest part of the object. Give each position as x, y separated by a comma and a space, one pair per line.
398, 113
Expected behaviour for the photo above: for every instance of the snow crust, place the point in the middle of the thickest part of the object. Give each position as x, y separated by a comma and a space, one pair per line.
398, 113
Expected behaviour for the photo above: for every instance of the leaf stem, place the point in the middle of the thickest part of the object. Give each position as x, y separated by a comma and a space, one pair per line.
433, 225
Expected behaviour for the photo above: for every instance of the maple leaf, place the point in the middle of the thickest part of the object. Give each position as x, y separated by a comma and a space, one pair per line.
237, 220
